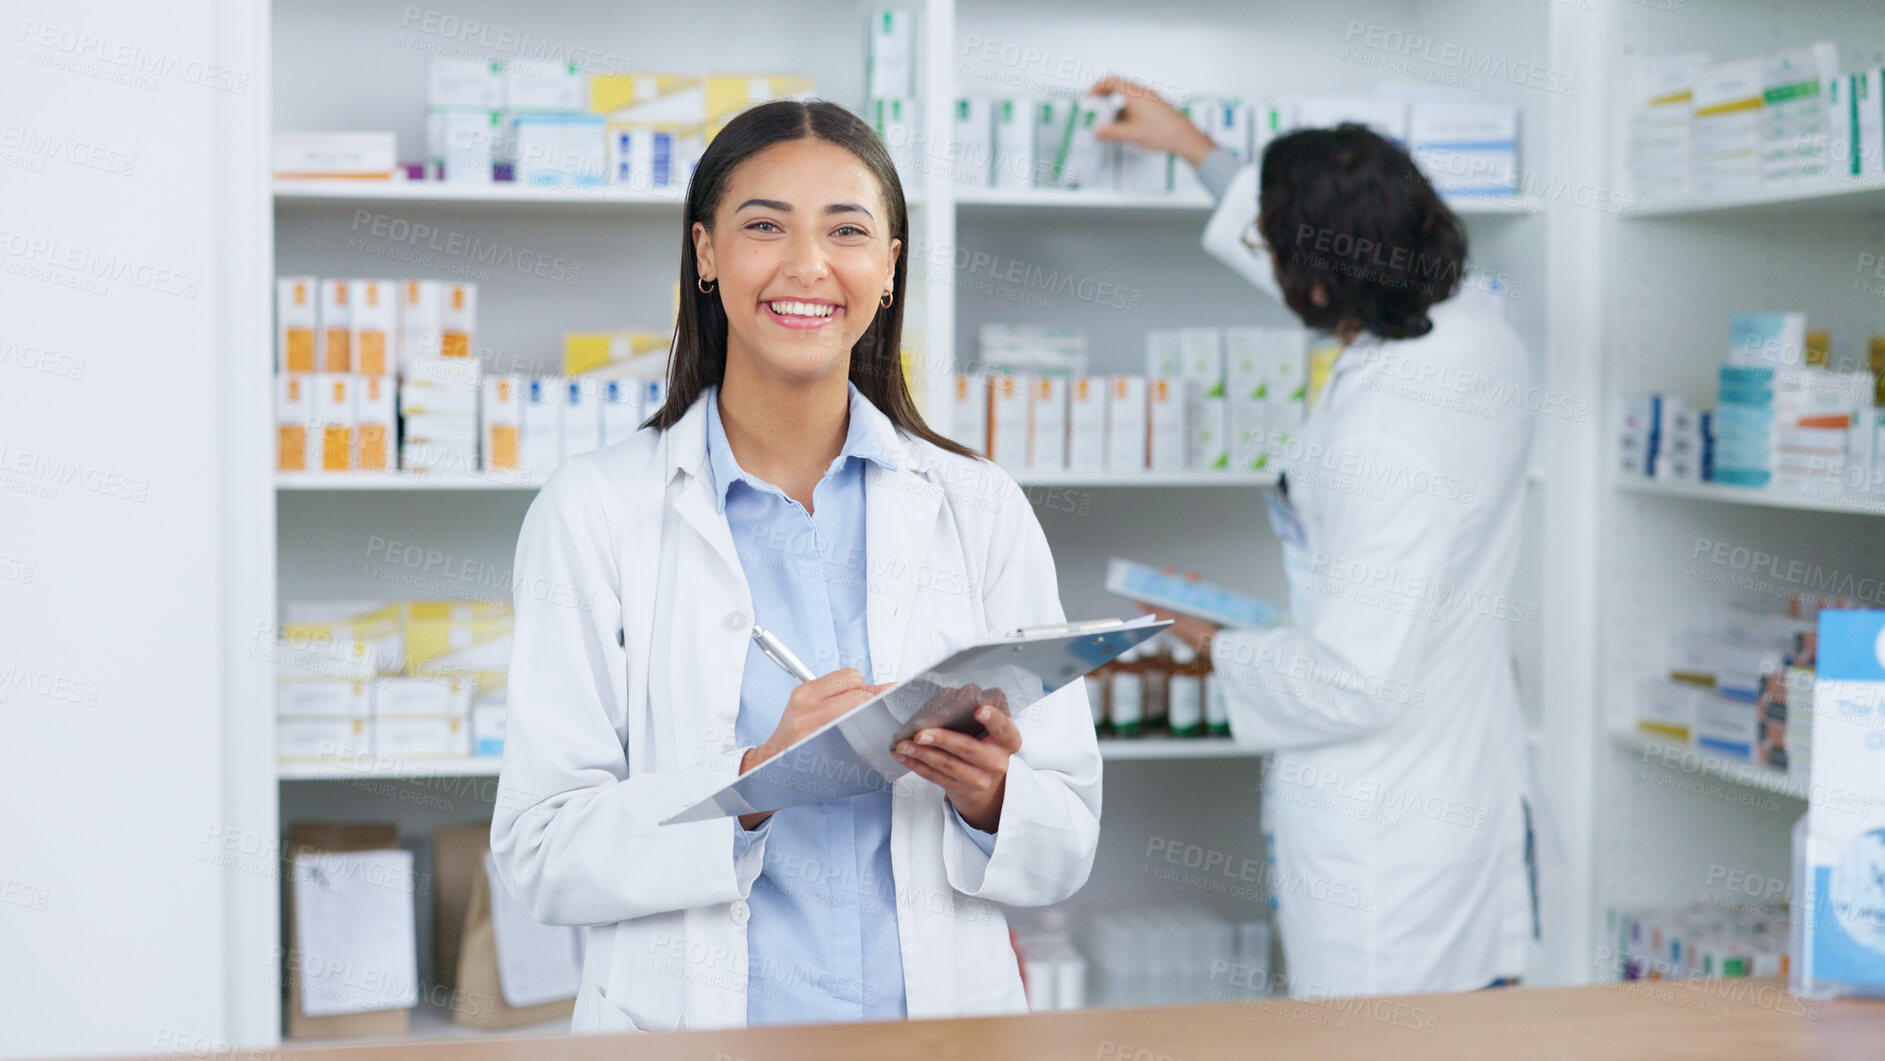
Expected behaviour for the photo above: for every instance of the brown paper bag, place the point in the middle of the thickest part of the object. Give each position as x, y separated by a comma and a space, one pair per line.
477, 997
335, 837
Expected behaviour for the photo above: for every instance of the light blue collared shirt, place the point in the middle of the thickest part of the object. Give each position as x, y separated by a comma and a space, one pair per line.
822, 941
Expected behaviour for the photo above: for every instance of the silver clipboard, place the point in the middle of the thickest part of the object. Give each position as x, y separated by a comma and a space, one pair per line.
850, 755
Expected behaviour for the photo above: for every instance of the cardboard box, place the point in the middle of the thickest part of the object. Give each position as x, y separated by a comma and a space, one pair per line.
1247, 428
1141, 171
970, 412
331, 439
1201, 359
294, 411
1086, 424
1126, 439
1466, 149
1047, 449
1008, 422
375, 423
650, 158
336, 328
1165, 400
502, 413
295, 323
339, 837
421, 321
1051, 117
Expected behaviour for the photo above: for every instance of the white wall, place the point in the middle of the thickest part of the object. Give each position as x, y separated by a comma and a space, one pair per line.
120, 143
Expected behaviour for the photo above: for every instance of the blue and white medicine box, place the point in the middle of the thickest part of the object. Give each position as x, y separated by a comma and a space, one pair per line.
1466, 148
1839, 856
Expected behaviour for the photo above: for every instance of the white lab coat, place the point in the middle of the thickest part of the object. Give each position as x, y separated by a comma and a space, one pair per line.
1395, 797
633, 619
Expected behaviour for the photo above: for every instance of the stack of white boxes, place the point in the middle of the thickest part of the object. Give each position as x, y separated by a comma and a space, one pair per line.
1786, 119
1211, 399
327, 657
1466, 149
438, 389
1034, 141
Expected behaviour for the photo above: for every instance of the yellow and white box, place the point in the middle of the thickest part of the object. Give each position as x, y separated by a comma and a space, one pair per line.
310, 697
336, 328
376, 423
1086, 424
502, 409
330, 442
1165, 403
1047, 449
540, 428
421, 322
294, 410
295, 322
458, 319
729, 95
375, 326
1008, 422
424, 737
443, 637
446, 697
1125, 424
313, 740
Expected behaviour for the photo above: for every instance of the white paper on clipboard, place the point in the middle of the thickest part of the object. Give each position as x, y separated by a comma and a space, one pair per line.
354, 928
850, 755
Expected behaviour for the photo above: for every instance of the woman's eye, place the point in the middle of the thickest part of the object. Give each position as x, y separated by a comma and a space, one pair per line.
850, 230
762, 226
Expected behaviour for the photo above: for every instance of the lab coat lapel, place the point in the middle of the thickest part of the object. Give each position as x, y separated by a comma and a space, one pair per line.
899, 519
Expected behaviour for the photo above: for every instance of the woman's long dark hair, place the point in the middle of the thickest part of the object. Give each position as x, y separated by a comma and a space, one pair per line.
699, 360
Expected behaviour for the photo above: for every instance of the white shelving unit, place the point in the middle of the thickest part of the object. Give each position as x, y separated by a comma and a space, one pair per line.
1674, 274
625, 244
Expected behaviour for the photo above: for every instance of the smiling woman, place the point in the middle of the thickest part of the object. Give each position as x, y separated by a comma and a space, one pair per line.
788, 484
807, 239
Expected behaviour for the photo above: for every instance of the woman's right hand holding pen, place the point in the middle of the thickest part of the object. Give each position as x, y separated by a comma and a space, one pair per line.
811, 705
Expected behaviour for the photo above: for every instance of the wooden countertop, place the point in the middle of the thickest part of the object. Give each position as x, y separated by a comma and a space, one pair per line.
1714, 1020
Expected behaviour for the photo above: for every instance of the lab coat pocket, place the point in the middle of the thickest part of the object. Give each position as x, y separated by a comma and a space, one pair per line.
610, 1016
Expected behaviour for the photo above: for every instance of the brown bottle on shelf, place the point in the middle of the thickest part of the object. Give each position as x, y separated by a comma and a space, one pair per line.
1125, 706
1099, 690
1157, 667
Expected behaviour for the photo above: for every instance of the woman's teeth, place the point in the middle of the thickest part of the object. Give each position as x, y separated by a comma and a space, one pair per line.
801, 309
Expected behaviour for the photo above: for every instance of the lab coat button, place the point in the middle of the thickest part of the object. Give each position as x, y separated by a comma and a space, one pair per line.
735, 621
740, 911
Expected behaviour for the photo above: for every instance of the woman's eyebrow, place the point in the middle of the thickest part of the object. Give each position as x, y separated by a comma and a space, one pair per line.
846, 208
769, 204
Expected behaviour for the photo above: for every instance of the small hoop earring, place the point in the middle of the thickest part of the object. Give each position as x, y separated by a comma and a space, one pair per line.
888, 298
706, 286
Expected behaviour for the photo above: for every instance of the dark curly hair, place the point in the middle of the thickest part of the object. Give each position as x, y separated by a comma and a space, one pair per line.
1347, 210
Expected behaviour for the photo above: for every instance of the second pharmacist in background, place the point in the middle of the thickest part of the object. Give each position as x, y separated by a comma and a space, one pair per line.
1397, 802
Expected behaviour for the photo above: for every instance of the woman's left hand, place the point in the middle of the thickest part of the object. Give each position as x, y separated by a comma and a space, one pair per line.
972, 771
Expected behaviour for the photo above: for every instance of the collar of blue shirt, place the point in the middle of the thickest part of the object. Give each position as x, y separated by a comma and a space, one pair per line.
870, 436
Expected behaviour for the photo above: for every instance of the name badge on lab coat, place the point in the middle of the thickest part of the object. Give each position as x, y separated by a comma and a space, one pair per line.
1284, 520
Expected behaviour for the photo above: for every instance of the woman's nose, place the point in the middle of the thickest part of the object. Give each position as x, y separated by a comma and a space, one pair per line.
805, 261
